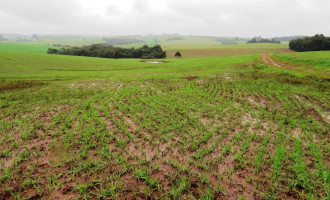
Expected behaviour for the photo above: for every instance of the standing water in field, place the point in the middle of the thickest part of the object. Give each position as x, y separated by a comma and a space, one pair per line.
154, 62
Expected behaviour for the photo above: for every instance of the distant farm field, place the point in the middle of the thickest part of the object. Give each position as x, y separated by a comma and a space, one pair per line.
43, 66
24, 47
216, 124
228, 50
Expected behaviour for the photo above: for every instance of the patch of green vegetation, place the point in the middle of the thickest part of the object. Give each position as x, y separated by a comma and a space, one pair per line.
317, 60
24, 47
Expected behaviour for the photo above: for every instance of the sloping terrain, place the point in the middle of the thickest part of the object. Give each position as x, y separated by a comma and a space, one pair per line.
240, 130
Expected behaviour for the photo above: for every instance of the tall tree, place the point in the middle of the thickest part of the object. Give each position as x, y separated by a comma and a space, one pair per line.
178, 54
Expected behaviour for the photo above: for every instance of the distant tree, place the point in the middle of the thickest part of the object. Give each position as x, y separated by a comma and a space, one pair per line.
262, 40
2, 38
19, 39
122, 41
226, 41
178, 54
108, 51
35, 37
287, 38
174, 38
158, 52
253, 40
52, 51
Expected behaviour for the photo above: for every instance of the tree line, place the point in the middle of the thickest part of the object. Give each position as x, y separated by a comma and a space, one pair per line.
121, 41
288, 38
175, 38
263, 40
108, 51
318, 42
2, 38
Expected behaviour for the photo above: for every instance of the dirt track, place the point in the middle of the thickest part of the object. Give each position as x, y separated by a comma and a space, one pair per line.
267, 59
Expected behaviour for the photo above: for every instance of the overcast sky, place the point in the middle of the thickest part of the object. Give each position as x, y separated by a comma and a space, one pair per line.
197, 17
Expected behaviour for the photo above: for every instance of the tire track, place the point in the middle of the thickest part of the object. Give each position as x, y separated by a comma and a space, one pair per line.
267, 59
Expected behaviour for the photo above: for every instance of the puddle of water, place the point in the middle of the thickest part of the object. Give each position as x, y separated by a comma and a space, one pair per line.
154, 62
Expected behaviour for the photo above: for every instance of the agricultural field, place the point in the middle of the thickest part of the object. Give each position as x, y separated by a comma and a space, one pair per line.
165, 40
74, 40
307, 60
226, 126
24, 47
227, 50
189, 46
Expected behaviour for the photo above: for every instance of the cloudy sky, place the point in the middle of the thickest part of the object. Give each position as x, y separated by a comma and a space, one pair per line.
197, 17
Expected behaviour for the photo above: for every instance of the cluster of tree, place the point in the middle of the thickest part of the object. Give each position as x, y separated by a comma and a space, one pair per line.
19, 39
226, 41
263, 40
122, 41
318, 42
156, 41
174, 38
2, 38
108, 51
237, 38
35, 38
287, 38
60, 45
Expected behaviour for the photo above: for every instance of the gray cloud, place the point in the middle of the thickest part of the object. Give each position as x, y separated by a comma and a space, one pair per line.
39, 11
207, 17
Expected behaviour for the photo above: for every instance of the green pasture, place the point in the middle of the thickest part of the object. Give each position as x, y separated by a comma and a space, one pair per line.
24, 47
318, 60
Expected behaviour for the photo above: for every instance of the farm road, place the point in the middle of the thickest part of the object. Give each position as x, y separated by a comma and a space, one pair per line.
267, 59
